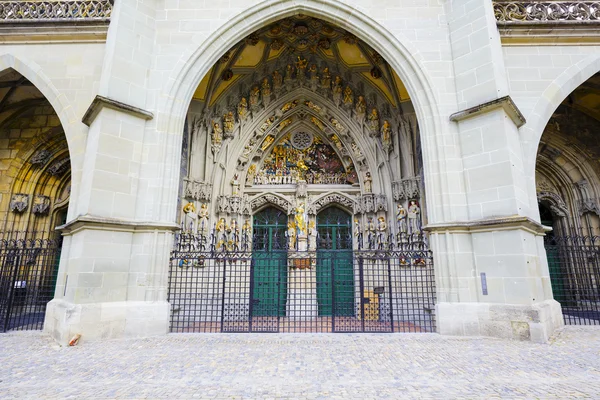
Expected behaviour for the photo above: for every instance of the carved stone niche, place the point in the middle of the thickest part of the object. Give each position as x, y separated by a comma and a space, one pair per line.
19, 202
589, 205
406, 189
41, 205
370, 203
234, 205
196, 190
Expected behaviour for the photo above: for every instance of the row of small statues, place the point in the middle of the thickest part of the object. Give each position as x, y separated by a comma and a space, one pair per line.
286, 177
341, 96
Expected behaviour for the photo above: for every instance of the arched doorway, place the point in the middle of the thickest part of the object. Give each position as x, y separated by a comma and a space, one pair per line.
35, 182
335, 268
568, 192
269, 264
302, 116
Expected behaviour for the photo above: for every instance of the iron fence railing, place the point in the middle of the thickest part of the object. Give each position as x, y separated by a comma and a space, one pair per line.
55, 10
28, 270
574, 263
282, 289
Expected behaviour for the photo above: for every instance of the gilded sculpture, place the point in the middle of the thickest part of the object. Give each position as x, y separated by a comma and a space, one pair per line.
360, 108
348, 97
266, 92
242, 109
228, 124
254, 97
300, 219
373, 122
326, 78
386, 135
277, 80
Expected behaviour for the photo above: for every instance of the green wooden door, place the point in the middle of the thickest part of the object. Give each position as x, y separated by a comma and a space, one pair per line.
269, 256
335, 272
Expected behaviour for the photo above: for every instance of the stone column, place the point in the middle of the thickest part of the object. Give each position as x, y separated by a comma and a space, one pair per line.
112, 279
491, 269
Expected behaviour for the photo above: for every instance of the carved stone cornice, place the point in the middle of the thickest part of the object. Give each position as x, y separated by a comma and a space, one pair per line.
506, 103
490, 224
406, 189
113, 224
100, 102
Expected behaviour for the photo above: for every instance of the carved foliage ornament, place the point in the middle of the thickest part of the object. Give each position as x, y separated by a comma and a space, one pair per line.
555, 11
195, 190
370, 203
406, 189
56, 10
19, 202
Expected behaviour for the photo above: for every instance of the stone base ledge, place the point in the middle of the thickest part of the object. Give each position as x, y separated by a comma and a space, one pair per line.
534, 323
98, 321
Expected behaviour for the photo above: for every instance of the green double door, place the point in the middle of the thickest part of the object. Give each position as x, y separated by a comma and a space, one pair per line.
269, 257
335, 272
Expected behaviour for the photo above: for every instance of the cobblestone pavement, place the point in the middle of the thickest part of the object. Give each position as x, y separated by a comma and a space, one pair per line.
306, 366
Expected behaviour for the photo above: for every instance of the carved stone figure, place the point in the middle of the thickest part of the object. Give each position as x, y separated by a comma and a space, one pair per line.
291, 234
217, 137
314, 77
248, 148
289, 70
246, 232
337, 90
277, 81
254, 98
266, 92
235, 183
370, 233
368, 182
203, 218
360, 109
381, 232
386, 136
268, 122
40, 158
267, 142
312, 236
373, 123
242, 109
326, 79
228, 124
190, 218
41, 205
414, 218
317, 122
301, 65
336, 124
401, 219
348, 98
251, 174
358, 233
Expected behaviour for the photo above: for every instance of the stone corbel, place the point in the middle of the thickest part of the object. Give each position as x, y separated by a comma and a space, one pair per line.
506, 103
19, 203
101, 102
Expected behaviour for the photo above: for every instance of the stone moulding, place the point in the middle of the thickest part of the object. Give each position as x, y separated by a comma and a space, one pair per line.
112, 224
100, 102
490, 224
547, 12
505, 103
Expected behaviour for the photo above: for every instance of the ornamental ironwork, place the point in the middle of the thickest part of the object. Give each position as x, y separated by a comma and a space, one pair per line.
515, 12
11, 11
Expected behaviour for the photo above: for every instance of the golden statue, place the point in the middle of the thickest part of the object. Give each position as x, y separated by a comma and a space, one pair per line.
299, 219
242, 109
301, 63
189, 208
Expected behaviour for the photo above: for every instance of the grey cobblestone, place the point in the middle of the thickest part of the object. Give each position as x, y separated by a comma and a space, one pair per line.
302, 366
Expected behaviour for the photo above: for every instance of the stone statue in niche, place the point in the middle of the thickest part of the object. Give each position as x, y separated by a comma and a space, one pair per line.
251, 174
248, 148
268, 122
254, 98
289, 70
288, 106
235, 184
228, 125
360, 109
283, 124
301, 65
381, 232
414, 218
217, 137
203, 218
368, 183
336, 89
291, 234
190, 218
277, 81
246, 232
268, 140
317, 122
370, 232
386, 136
348, 98
266, 92
312, 236
401, 219
358, 233
336, 124
233, 233
373, 123
314, 77
242, 109
357, 152
326, 79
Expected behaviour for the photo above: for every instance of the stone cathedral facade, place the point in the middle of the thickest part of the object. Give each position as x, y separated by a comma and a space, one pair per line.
154, 151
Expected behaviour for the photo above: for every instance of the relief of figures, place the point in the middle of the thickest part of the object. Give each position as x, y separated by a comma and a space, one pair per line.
317, 164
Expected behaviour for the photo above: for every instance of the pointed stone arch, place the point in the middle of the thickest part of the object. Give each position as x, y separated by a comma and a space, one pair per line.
271, 199
339, 199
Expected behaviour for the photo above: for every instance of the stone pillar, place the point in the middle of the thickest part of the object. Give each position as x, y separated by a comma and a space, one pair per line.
491, 269
112, 279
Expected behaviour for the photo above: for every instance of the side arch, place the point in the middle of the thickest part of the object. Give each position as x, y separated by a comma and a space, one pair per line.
271, 200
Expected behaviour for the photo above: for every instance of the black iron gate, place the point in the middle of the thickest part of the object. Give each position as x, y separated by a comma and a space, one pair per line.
28, 270
574, 264
226, 289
